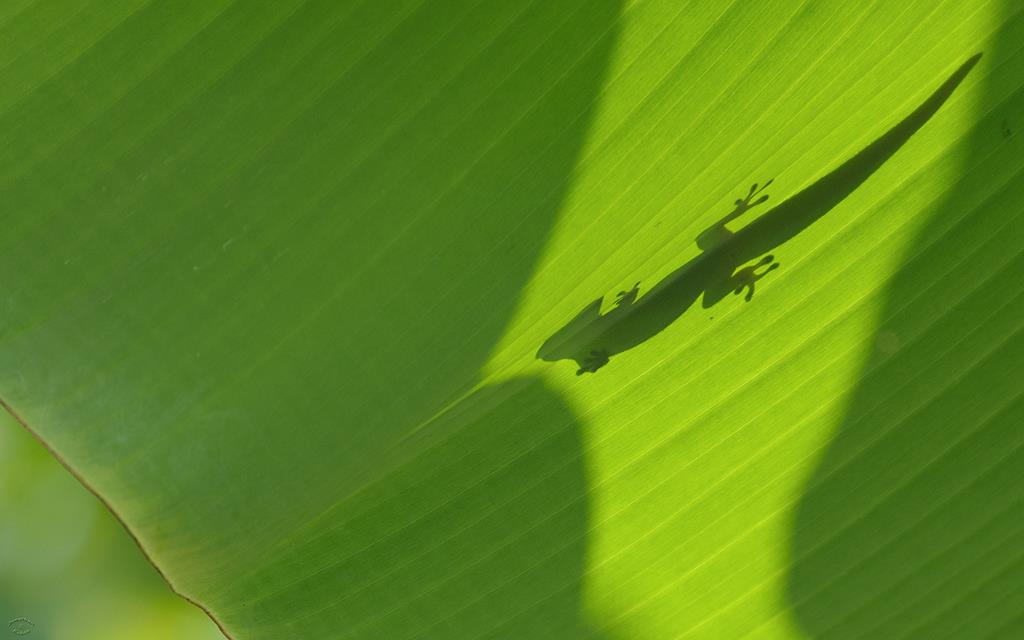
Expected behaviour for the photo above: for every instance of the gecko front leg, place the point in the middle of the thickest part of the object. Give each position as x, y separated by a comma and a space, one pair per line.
625, 298
596, 359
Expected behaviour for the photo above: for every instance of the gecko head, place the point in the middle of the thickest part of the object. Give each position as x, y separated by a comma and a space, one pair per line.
568, 342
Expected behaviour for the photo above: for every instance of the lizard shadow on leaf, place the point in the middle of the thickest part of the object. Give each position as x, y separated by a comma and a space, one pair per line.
725, 264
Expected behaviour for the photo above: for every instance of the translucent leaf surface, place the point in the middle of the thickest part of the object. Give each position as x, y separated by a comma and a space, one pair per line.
291, 286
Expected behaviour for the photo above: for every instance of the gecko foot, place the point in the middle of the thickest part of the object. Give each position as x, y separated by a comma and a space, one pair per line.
743, 204
747, 276
597, 359
627, 297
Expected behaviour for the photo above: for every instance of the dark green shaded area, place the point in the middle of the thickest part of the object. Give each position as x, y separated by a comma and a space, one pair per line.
465, 541
911, 525
269, 266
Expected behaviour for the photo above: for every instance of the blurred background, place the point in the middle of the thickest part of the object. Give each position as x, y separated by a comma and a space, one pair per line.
67, 567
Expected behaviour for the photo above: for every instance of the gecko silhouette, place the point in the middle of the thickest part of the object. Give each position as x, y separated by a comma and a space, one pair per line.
592, 338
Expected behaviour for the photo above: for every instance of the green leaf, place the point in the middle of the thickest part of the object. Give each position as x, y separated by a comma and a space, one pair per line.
290, 285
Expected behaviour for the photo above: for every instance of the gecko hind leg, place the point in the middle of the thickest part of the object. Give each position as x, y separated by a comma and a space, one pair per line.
747, 276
